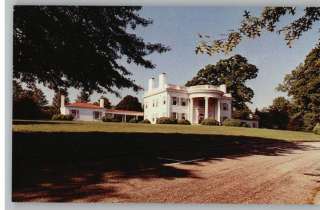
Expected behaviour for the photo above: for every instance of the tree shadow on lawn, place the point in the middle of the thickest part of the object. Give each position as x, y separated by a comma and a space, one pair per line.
64, 167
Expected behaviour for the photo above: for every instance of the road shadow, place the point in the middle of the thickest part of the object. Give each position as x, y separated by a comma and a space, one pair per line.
64, 167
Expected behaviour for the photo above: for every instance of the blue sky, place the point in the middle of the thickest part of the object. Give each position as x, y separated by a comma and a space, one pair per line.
178, 27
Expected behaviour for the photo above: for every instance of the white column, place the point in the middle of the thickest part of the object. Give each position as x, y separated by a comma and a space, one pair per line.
168, 102
218, 110
206, 107
191, 110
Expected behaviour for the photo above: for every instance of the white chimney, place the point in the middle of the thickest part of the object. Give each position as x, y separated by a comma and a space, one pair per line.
101, 102
223, 88
162, 80
62, 101
151, 84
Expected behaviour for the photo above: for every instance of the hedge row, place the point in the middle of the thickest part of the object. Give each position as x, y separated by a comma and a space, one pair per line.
234, 123
316, 129
168, 120
67, 117
209, 121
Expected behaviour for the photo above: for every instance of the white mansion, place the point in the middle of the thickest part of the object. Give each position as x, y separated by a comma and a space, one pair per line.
193, 103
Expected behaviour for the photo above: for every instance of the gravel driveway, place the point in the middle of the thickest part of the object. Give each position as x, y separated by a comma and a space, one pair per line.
287, 179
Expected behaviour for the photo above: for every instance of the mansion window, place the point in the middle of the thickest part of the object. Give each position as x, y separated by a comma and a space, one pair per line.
164, 101
96, 115
183, 116
225, 107
183, 101
174, 115
174, 101
75, 113
146, 106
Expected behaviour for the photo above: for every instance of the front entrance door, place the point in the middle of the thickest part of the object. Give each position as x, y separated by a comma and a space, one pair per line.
200, 118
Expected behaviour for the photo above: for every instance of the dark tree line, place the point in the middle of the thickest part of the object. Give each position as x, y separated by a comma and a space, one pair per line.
28, 103
31, 103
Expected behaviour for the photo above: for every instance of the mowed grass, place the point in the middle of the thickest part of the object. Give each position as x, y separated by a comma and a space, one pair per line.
56, 126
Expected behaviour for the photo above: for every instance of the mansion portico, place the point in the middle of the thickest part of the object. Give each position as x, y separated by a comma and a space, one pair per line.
193, 103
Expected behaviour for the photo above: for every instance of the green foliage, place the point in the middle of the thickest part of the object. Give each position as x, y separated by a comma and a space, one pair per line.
253, 27
80, 46
234, 123
316, 129
67, 117
184, 122
209, 121
166, 120
145, 121
310, 120
295, 122
28, 103
234, 72
303, 83
279, 111
265, 118
83, 97
243, 114
110, 119
277, 115
130, 103
106, 102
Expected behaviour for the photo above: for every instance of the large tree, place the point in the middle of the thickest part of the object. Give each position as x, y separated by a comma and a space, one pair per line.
130, 103
83, 97
253, 26
234, 72
303, 85
28, 103
280, 112
80, 46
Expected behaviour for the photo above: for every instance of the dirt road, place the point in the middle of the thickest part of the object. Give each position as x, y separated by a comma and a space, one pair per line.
291, 178
212, 169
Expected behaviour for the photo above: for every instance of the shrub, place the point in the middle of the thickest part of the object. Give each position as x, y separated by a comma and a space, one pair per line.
133, 120
166, 120
209, 121
316, 129
184, 122
234, 123
310, 121
110, 119
67, 117
146, 121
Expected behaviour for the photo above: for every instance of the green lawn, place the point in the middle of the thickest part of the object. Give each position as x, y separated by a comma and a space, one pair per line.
54, 126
